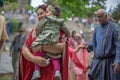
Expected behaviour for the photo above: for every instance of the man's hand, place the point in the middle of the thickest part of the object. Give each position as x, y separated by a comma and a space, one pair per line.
116, 67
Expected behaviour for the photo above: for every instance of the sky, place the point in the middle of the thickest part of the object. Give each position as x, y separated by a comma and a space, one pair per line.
109, 3
112, 4
36, 3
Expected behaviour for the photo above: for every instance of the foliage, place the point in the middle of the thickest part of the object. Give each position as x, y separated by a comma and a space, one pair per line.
76, 7
100, 3
71, 7
118, 24
15, 6
28, 7
116, 12
14, 23
6, 77
10, 0
10, 6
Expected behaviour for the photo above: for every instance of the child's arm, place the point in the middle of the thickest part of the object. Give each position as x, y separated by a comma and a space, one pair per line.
41, 25
65, 30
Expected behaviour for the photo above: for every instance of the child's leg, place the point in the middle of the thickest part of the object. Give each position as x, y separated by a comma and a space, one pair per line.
39, 54
56, 64
36, 73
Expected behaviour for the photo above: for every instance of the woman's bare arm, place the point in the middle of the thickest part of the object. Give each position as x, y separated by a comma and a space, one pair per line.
30, 57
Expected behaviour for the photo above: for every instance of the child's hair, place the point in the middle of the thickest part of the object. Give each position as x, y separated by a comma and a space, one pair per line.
57, 11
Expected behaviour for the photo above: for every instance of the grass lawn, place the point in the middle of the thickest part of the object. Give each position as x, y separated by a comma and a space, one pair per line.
5, 76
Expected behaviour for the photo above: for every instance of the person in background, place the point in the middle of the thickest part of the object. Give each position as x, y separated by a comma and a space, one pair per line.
3, 33
72, 42
15, 50
79, 74
106, 46
82, 55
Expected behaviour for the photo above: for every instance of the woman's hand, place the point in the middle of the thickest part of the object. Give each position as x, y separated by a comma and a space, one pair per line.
42, 62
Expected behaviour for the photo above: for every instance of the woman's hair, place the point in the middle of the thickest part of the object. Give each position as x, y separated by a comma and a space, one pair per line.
44, 6
72, 33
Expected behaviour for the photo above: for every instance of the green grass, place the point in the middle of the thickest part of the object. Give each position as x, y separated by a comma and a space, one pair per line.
5, 76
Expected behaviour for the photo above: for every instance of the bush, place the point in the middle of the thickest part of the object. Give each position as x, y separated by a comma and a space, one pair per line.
6, 77
118, 24
14, 23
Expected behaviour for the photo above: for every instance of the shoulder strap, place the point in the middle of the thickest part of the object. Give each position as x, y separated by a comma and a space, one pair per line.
103, 45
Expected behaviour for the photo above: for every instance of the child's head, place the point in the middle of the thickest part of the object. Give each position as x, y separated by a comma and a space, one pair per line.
57, 11
50, 10
53, 10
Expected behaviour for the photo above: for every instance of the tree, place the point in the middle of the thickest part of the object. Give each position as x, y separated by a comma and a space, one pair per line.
100, 3
71, 7
76, 7
22, 3
116, 12
29, 7
15, 4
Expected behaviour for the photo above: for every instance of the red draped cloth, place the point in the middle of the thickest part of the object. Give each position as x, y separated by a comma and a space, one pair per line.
26, 67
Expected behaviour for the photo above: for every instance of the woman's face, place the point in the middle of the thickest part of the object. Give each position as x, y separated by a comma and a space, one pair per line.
78, 38
40, 14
